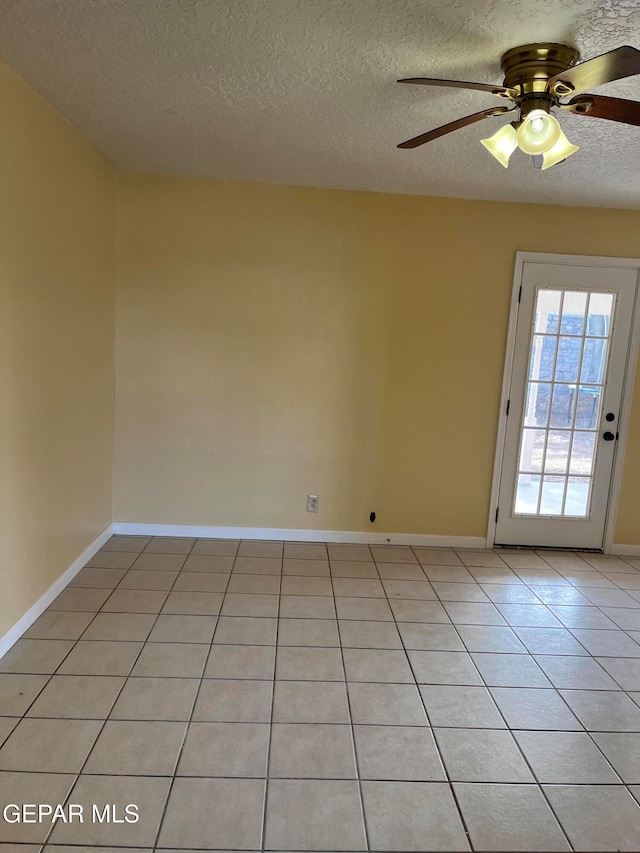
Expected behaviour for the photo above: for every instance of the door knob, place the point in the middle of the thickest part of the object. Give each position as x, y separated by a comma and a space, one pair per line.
610, 416
608, 436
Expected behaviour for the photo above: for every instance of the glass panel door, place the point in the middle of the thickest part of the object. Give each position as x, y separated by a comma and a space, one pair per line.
567, 375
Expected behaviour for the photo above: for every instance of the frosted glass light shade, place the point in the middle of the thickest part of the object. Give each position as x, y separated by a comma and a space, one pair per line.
560, 151
502, 144
538, 133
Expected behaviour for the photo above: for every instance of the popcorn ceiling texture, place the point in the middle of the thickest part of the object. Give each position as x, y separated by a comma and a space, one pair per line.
304, 92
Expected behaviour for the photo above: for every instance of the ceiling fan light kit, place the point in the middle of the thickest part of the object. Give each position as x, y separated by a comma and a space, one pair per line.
536, 78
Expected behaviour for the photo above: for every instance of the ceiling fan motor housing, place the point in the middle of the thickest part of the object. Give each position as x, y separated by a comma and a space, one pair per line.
530, 66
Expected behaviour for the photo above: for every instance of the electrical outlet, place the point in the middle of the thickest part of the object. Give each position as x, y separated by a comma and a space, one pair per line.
312, 503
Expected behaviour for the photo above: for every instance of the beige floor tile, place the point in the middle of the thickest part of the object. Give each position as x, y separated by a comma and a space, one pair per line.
305, 550
49, 746
148, 579
22, 788
253, 584
485, 559
122, 542
533, 708
98, 578
526, 821
18, 691
358, 587
294, 585
170, 545
246, 630
370, 609
377, 665
310, 702
386, 704
234, 701
487, 756
135, 601
622, 749
308, 632
437, 556
227, 810
507, 670
474, 613
156, 699
59, 625
401, 572
159, 562
78, 598
35, 656
225, 749
260, 549
239, 604
401, 815
216, 563
183, 629
216, 547
201, 582
353, 568
251, 662
88, 697
419, 611
444, 668
97, 657
369, 635
393, 554
306, 567
140, 748
295, 663
193, 603
7, 725
448, 574
112, 560
257, 566
401, 753
490, 638
148, 794
311, 751
333, 815
355, 553
430, 637
597, 817
567, 758
171, 660
461, 707
307, 607
120, 626
412, 590
602, 711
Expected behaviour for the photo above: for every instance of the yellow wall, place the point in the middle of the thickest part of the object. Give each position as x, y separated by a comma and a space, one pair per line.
57, 205
277, 341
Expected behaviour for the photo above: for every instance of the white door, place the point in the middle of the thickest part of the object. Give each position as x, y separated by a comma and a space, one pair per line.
571, 347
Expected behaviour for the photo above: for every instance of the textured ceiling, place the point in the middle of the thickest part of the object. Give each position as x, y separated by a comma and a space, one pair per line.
304, 91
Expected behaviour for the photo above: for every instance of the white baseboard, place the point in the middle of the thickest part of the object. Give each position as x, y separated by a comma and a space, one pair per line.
626, 550
296, 535
16, 631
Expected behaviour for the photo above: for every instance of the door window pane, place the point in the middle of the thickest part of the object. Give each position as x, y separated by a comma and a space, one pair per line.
543, 351
527, 493
582, 453
561, 407
568, 359
557, 455
547, 311
594, 361
577, 501
537, 406
552, 495
599, 314
532, 449
573, 310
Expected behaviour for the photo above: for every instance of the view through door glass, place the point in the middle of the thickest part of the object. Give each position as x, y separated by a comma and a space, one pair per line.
567, 370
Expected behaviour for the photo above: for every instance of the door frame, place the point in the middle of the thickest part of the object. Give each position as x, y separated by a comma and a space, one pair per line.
627, 392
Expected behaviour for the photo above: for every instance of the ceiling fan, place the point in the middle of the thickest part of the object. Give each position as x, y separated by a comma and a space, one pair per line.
537, 78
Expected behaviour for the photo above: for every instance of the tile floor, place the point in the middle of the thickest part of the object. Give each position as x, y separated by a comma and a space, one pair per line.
310, 697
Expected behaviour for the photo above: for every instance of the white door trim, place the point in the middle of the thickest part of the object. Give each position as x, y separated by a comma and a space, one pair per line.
627, 393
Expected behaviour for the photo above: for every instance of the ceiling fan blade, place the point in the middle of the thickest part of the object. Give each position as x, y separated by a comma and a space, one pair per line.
613, 109
454, 125
622, 62
501, 91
